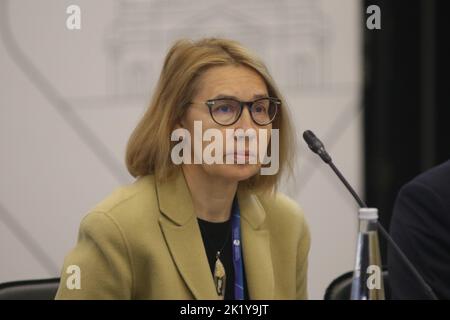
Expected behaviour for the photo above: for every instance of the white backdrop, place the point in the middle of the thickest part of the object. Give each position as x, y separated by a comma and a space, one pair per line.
69, 100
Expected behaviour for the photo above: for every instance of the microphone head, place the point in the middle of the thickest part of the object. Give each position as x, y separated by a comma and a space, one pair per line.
316, 145
313, 142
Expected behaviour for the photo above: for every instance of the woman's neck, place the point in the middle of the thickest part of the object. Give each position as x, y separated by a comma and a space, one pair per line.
212, 197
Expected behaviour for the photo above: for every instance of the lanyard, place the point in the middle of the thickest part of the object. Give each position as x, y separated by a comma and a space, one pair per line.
237, 252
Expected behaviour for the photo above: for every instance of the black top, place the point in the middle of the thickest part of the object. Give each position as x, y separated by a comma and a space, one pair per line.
420, 225
214, 235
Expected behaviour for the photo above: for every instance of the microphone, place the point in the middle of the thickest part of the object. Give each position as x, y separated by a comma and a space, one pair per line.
317, 147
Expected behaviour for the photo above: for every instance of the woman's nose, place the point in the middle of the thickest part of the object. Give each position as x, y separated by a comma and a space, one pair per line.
245, 121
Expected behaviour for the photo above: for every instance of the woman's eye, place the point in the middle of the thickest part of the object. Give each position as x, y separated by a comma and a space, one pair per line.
224, 108
260, 109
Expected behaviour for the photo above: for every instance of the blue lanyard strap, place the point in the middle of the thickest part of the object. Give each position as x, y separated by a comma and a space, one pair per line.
237, 252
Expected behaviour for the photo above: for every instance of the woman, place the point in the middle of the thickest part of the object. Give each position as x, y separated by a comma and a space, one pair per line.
198, 230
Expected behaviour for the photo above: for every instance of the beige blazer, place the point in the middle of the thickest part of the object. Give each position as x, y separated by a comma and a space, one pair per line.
143, 242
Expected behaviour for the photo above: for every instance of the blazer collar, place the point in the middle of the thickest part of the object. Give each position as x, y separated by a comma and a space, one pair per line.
183, 237
175, 202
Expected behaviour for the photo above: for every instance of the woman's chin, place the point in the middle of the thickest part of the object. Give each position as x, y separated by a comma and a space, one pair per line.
235, 172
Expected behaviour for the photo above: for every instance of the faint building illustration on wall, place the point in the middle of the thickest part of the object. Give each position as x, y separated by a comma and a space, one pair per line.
292, 36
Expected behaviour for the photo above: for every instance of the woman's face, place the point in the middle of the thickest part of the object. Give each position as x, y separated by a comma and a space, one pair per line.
244, 84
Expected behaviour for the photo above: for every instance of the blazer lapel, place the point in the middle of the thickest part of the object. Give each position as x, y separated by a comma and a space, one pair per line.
256, 248
182, 234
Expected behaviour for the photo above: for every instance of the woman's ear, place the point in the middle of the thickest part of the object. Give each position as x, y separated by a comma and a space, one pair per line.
178, 125
181, 123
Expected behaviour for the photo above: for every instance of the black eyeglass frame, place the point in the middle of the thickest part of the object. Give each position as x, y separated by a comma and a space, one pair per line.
210, 103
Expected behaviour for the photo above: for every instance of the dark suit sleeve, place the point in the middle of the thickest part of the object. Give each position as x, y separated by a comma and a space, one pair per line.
420, 226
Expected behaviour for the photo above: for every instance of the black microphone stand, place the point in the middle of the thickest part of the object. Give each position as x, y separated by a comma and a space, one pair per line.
317, 147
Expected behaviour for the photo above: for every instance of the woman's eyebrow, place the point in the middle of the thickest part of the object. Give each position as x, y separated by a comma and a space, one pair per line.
257, 96
225, 96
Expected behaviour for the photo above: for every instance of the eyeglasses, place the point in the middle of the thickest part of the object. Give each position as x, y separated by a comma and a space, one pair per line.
227, 111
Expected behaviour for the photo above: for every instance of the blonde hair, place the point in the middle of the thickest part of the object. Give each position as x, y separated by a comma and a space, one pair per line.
149, 147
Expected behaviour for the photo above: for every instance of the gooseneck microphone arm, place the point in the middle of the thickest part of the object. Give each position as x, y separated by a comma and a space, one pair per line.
317, 147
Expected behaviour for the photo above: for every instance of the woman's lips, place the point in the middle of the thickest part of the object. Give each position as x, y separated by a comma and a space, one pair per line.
242, 156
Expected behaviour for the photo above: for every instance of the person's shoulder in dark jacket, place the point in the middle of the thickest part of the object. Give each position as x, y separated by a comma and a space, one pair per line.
420, 225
